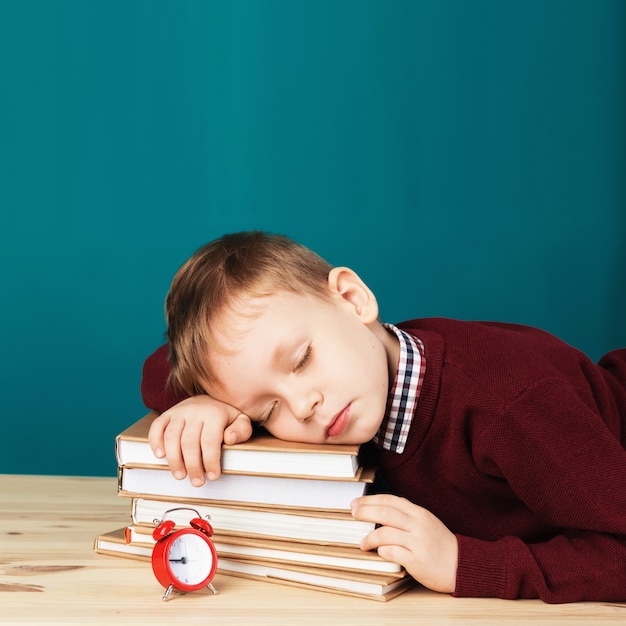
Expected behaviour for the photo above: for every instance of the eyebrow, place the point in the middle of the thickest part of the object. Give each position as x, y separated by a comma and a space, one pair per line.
278, 356
279, 353
285, 347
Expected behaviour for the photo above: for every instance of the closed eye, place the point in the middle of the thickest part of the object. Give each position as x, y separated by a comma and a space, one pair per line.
304, 360
267, 416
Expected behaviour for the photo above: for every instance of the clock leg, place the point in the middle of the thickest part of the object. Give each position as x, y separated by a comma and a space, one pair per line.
212, 588
168, 591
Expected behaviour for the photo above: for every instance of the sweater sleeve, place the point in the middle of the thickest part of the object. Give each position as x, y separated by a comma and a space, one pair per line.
571, 567
562, 460
156, 393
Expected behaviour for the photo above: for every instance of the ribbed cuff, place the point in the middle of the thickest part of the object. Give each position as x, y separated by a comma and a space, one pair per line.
481, 570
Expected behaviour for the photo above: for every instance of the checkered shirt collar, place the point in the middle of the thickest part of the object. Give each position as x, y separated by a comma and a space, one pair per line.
404, 395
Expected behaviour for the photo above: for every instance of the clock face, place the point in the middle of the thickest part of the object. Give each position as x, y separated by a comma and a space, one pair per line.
190, 559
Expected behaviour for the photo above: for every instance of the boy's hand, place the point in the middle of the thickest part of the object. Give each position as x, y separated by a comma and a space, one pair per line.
412, 537
190, 435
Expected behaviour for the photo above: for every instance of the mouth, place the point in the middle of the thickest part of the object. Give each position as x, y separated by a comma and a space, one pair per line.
340, 421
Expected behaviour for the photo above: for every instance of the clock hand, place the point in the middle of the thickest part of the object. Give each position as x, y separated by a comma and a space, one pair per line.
181, 560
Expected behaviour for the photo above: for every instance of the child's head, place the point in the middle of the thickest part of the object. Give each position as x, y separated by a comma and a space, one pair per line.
217, 277
264, 325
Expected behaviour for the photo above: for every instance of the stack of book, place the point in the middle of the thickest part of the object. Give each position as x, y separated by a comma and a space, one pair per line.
280, 512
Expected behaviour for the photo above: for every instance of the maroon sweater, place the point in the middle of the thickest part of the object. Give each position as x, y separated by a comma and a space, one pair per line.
517, 446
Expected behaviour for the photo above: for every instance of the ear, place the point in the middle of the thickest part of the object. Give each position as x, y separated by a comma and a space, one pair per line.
347, 284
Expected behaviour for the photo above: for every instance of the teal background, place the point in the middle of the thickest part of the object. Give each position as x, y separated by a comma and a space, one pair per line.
467, 157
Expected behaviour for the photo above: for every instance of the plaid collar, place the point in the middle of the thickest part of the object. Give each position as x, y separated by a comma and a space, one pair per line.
402, 400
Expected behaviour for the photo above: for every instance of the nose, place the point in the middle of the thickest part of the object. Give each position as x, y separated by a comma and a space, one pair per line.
304, 405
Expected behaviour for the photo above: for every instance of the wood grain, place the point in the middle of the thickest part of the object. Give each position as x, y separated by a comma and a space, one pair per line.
49, 574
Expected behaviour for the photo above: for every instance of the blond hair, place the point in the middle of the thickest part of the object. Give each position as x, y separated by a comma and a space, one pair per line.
215, 279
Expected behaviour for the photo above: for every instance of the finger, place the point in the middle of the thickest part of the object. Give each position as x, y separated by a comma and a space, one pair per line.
155, 435
192, 452
429, 553
396, 554
394, 546
384, 499
239, 430
386, 512
210, 441
386, 536
216, 431
172, 448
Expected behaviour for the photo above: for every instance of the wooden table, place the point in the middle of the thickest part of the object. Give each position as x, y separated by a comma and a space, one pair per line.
49, 573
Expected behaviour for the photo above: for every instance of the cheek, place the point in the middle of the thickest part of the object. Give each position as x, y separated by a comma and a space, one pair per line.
284, 434
367, 364
292, 431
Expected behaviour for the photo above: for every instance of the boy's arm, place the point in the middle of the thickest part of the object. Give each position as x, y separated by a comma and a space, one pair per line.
155, 391
411, 536
190, 430
573, 566
564, 462
191, 433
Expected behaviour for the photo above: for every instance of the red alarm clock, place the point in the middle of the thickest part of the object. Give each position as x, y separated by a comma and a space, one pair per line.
184, 559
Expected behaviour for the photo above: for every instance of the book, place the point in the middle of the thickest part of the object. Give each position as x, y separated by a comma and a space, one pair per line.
373, 586
114, 543
261, 454
281, 512
348, 583
319, 527
268, 491
276, 551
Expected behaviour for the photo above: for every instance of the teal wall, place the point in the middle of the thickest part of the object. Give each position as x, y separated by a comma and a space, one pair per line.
467, 157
